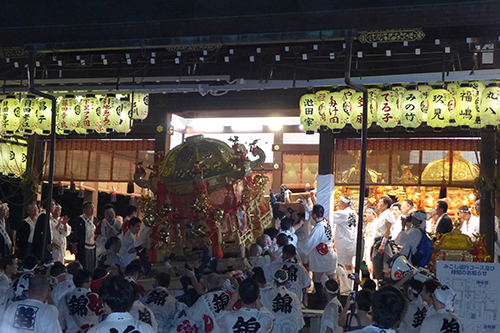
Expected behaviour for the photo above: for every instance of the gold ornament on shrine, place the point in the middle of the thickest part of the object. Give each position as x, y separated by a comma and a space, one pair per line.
411, 109
90, 117
389, 110
321, 98
110, 112
438, 115
465, 106
68, 114
29, 108
454, 246
337, 111
490, 106
356, 117
140, 107
11, 115
309, 113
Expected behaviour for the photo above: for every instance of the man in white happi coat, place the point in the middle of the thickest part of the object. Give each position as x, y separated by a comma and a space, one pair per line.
330, 317
118, 296
32, 314
59, 229
470, 223
321, 251
62, 284
444, 319
108, 227
161, 302
8, 265
416, 310
141, 312
381, 251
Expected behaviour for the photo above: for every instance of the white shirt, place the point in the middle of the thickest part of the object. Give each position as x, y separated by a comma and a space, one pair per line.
59, 234
144, 233
121, 321
89, 232
209, 308
345, 222
471, 227
30, 316
396, 228
330, 318
128, 242
5, 283
286, 308
296, 272
108, 258
373, 329
141, 312
442, 321
320, 248
379, 229
106, 231
415, 315
291, 235
163, 305
82, 309
31, 224
259, 319
261, 261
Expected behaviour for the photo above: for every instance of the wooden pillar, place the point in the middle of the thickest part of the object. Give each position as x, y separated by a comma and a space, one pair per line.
277, 161
34, 162
487, 214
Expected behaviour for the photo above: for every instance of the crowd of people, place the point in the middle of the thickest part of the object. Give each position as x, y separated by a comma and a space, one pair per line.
100, 290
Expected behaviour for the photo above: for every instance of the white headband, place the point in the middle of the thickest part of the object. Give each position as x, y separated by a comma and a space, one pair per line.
281, 280
332, 292
345, 200
445, 295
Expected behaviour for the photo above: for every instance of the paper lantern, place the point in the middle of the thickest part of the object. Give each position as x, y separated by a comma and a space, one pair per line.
490, 106
125, 124
452, 88
90, 117
4, 158
11, 115
322, 107
411, 109
110, 112
17, 160
309, 113
425, 90
401, 90
388, 109
356, 117
438, 115
29, 108
465, 106
68, 114
140, 106
337, 111
374, 93
347, 94
44, 116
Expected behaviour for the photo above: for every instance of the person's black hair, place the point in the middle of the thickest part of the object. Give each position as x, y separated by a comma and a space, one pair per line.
38, 285
271, 232
396, 204
130, 209
443, 205
98, 273
134, 221
249, 291
86, 203
108, 206
289, 250
282, 240
259, 276
332, 285
387, 201
30, 262
117, 293
163, 280
388, 307
286, 223
73, 267
318, 210
45, 203
7, 261
111, 241
57, 269
364, 299
370, 285
132, 269
409, 202
416, 285
431, 285
82, 276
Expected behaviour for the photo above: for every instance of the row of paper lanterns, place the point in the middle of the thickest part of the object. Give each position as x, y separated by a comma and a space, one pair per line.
13, 158
90, 114
469, 105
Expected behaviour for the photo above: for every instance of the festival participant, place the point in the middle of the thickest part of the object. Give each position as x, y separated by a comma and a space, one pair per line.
8, 266
368, 231
141, 312
210, 305
345, 221
443, 224
82, 237
330, 318
289, 228
388, 308
41, 234
19, 288
416, 309
161, 302
428, 288
284, 305
360, 317
430, 225
117, 296
110, 256
128, 250
108, 227
132, 272
32, 314
253, 317
26, 230
5, 239
265, 289
256, 258
409, 238
381, 252
82, 308
130, 213
396, 226
444, 319
59, 230
407, 207
470, 223
273, 233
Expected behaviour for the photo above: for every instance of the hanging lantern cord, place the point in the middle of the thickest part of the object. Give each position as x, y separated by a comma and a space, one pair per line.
32, 89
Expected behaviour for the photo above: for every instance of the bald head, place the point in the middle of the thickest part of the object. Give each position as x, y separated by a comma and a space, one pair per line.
39, 287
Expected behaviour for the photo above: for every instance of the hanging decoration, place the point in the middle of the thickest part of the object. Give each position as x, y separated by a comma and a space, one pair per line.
465, 106
490, 106
389, 110
309, 113
90, 118
68, 114
400, 90
11, 115
374, 93
140, 106
439, 108
125, 124
110, 112
4, 158
425, 90
337, 111
29, 108
356, 117
322, 107
44, 116
411, 109
347, 94
479, 86
13, 159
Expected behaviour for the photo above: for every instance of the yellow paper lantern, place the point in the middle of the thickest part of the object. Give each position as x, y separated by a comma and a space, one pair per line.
68, 114
452, 88
389, 110
438, 115
140, 106
125, 124
374, 93
110, 112
4, 158
309, 113
465, 106
425, 90
90, 117
17, 160
336, 111
401, 90
356, 117
347, 93
44, 116
11, 115
490, 106
322, 107
411, 109
29, 108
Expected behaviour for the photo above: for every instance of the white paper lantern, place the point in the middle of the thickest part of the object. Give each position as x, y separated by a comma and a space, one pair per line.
337, 111
411, 109
400, 89
125, 124
4, 158
44, 116
425, 90
17, 160
309, 113
68, 114
389, 110
110, 112
322, 107
490, 106
90, 117
438, 115
356, 117
465, 106
29, 109
374, 93
11, 115
140, 106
